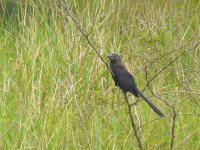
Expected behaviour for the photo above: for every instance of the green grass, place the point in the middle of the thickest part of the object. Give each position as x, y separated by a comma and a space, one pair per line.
57, 94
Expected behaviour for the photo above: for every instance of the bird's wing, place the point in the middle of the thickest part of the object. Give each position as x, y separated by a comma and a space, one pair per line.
126, 80
114, 78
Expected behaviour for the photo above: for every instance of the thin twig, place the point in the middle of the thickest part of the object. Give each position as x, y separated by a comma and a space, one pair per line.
136, 114
85, 34
187, 137
133, 124
159, 72
148, 123
187, 114
173, 129
174, 115
166, 66
172, 107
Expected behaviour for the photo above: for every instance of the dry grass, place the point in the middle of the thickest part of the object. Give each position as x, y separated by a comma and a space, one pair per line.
57, 94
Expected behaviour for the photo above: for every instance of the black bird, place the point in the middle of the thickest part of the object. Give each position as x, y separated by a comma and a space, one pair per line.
125, 80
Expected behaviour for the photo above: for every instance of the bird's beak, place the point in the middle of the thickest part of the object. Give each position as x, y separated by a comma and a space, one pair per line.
109, 56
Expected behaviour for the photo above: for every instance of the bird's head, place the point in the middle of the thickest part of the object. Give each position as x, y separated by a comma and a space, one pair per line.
114, 57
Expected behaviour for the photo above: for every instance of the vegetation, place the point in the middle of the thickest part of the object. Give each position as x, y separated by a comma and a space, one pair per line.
56, 93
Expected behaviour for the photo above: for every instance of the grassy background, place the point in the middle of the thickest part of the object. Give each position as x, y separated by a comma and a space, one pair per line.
57, 94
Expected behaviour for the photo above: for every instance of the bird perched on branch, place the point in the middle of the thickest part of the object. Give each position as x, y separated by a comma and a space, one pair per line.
125, 80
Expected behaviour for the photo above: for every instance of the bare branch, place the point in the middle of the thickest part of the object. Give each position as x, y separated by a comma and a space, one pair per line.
133, 124
173, 129
85, 34
148, 123
165, 67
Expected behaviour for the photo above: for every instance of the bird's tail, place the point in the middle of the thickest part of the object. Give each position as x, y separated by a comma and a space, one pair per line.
150, 104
